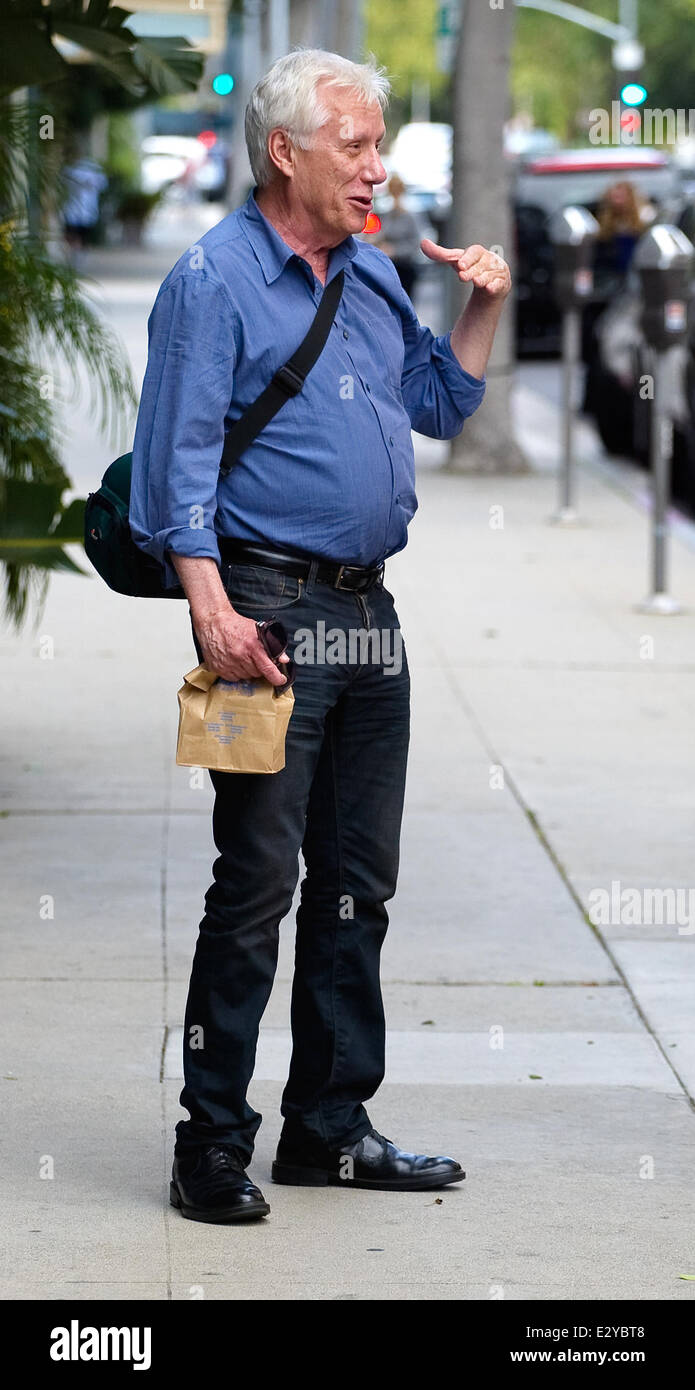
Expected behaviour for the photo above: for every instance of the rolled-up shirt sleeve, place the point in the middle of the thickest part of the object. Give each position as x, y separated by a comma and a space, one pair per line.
438, 393
180, 427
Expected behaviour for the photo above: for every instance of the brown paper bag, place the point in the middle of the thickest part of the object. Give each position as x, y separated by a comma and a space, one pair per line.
232, 726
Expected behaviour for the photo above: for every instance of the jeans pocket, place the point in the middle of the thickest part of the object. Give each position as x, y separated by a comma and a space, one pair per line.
260, 589
393, 620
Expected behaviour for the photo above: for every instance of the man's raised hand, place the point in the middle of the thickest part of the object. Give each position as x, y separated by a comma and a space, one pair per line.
475, 265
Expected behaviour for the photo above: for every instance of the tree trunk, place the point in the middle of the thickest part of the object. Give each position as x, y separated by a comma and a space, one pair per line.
336, 25
481, 212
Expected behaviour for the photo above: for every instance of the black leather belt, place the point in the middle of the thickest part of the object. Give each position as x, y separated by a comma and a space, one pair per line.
357, 578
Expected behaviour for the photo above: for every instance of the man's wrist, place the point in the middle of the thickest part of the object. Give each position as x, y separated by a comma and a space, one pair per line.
205, 616
202, 584
484, 303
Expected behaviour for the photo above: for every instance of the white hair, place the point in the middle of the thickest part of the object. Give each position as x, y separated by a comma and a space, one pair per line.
286, 97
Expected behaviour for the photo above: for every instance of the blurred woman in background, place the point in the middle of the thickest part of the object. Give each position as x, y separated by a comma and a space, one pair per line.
623, 215
399, 237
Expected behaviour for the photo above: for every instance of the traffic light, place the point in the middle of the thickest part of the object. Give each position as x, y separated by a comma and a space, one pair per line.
628, 62
223, 84
632, 93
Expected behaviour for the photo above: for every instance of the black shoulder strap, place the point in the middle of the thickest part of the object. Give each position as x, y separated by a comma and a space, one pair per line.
288, 380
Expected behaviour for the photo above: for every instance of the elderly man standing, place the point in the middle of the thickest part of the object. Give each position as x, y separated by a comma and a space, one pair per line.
300, 528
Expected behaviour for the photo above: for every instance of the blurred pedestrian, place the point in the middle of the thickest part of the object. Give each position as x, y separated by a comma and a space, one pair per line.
84, 182
399, 236
623, 215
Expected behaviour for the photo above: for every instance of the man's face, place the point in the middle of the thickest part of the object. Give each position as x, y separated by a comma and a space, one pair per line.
334, 179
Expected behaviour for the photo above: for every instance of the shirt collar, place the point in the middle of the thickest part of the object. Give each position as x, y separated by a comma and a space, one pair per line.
272, 253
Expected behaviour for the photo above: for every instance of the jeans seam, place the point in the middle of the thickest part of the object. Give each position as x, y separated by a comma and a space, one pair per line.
366, 615
336, 937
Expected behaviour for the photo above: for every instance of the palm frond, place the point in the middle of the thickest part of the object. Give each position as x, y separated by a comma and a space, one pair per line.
52, 341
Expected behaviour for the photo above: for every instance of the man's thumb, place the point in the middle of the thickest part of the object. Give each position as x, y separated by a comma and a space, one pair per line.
431, 249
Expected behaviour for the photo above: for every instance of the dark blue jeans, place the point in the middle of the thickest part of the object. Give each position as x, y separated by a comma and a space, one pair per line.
339, 799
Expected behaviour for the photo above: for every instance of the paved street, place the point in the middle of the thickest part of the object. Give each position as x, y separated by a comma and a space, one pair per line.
551, 758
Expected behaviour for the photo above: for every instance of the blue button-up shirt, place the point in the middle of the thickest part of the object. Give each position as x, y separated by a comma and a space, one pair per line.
333, 474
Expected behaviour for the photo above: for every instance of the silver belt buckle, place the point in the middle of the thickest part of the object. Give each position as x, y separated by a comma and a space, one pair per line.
336, 582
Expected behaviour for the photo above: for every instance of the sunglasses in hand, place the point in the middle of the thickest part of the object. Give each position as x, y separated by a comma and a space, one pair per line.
273, 638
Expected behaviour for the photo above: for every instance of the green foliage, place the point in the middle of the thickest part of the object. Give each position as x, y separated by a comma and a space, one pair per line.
560, 70
134, 205
44, 319
667, 31
402, 37
162, 66
34, 527
123, 158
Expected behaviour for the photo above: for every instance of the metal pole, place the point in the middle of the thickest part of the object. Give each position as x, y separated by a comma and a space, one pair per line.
328, 23
660, 450
279, 29
585, 18
420, 101
571, 337
627, 16
251, 61
660, 479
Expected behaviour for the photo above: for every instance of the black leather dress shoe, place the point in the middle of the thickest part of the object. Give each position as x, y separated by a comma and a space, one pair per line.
211, 1185
372, 1161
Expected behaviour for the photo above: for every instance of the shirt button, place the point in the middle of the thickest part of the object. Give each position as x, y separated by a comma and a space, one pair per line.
345, 333
391, 442
367, 387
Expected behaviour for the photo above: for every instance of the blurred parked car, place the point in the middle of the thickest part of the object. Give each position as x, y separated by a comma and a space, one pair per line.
211, 178
168, 159
549, 182
421, 155
521, 143
199, 164
684, 157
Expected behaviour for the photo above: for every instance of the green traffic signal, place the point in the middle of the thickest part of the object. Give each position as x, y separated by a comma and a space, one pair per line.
633, 94
222, 84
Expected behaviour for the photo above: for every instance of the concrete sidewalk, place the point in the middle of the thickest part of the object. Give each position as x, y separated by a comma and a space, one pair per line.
551, 757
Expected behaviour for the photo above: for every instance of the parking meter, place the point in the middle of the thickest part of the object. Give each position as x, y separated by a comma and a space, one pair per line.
573, 232
665, 259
